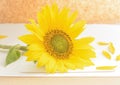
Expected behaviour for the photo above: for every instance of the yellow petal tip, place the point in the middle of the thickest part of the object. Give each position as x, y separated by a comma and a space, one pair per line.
105, 67
2, 36
102, 43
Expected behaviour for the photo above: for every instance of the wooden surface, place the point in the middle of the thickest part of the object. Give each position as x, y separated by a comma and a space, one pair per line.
59, 81
93, 11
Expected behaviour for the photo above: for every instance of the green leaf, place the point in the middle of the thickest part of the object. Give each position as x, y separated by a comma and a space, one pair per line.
13, 54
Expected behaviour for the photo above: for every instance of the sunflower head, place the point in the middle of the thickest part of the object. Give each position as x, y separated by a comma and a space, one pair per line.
53, 44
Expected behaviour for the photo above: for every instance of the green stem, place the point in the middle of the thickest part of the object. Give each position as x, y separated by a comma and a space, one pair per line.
22, 48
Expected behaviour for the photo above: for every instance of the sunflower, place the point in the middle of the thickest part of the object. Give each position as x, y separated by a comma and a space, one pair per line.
53, 44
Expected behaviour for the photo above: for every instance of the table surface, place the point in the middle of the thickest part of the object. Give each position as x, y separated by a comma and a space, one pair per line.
90, 80
59, 81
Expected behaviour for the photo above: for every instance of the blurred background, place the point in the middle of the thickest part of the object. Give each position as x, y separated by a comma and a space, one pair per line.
93, 11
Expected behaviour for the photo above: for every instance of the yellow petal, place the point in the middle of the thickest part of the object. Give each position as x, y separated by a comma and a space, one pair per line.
85, 40
80, 60
64, 14
72, 17
34, 52
87, 62
84, 47
76, 61
2, 36
29, 39
42, 21
105, 67
55, 10
32, 56
111, 48
103, 43
49, 13
37, 47
77, 29
51, 66
118, 58
85, 53
60, 66
35, 29
69, 65
106, 54
61, 22
43, 60
83, 43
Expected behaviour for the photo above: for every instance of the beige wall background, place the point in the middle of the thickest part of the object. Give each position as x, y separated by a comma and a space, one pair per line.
93, 11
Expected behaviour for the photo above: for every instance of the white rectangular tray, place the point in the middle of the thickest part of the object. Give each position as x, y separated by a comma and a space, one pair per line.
101, 32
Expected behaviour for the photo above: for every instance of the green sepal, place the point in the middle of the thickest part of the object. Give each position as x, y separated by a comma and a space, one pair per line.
13, 54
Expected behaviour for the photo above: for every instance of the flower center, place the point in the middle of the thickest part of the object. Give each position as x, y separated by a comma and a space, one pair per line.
58, 44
